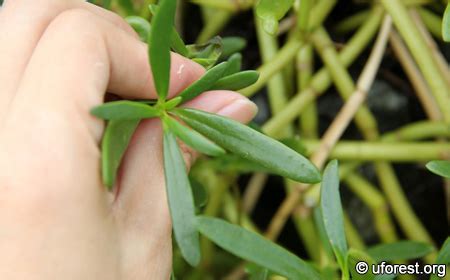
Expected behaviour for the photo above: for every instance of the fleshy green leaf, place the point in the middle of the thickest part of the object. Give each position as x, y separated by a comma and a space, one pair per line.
401, 250
231, 45
234, 64
270, 12
181, 202
444, 253
205, 83
140, 25
255, 248
446, 24
193, 139
172, 103
331, 207
176, 43
237, 81
124, 110
353, 258
115, 141
159, 45
252, 145
440, 167
443, 257
206, 54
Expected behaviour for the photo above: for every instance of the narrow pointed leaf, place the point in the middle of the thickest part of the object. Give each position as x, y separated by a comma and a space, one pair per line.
124, 110
401, 250
178, 44
159, 46
115, 141
331, 207
440, 167
251, 145
140, 25
270, 12
253, 247
232, 45
172, 103
181, 202
446, 24
193, 139
234, 64
206, 82
443, 257
444, 253
237, 81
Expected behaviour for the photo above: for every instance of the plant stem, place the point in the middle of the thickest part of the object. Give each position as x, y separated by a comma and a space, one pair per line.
415, 76
432, 21
290, 202
346, 114
309, 121
304, 222
289, 50
367, 124
383, 151
401, 208
415, 131
377, 204
253, 191
268, 46
322, 80
217, 187
225, 5
353, 237
424, 58
344, 82
440, 60
213, 26
352, 22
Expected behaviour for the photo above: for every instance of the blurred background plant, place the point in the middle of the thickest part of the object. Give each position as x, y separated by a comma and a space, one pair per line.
365, 82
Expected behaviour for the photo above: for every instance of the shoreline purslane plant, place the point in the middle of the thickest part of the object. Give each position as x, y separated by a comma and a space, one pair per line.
211, 190
207, 133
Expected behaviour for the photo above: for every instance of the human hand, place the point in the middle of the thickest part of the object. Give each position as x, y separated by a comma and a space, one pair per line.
57, 220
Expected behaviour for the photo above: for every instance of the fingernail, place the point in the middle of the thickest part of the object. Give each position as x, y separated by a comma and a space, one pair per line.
242, 110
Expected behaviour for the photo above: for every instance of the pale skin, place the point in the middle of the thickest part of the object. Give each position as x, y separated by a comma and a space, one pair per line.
57, 220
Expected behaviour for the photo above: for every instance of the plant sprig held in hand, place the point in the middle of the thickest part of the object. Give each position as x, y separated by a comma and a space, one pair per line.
207, 133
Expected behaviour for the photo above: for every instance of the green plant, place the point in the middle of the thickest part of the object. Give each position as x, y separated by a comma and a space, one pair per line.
291, 35
207, 133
